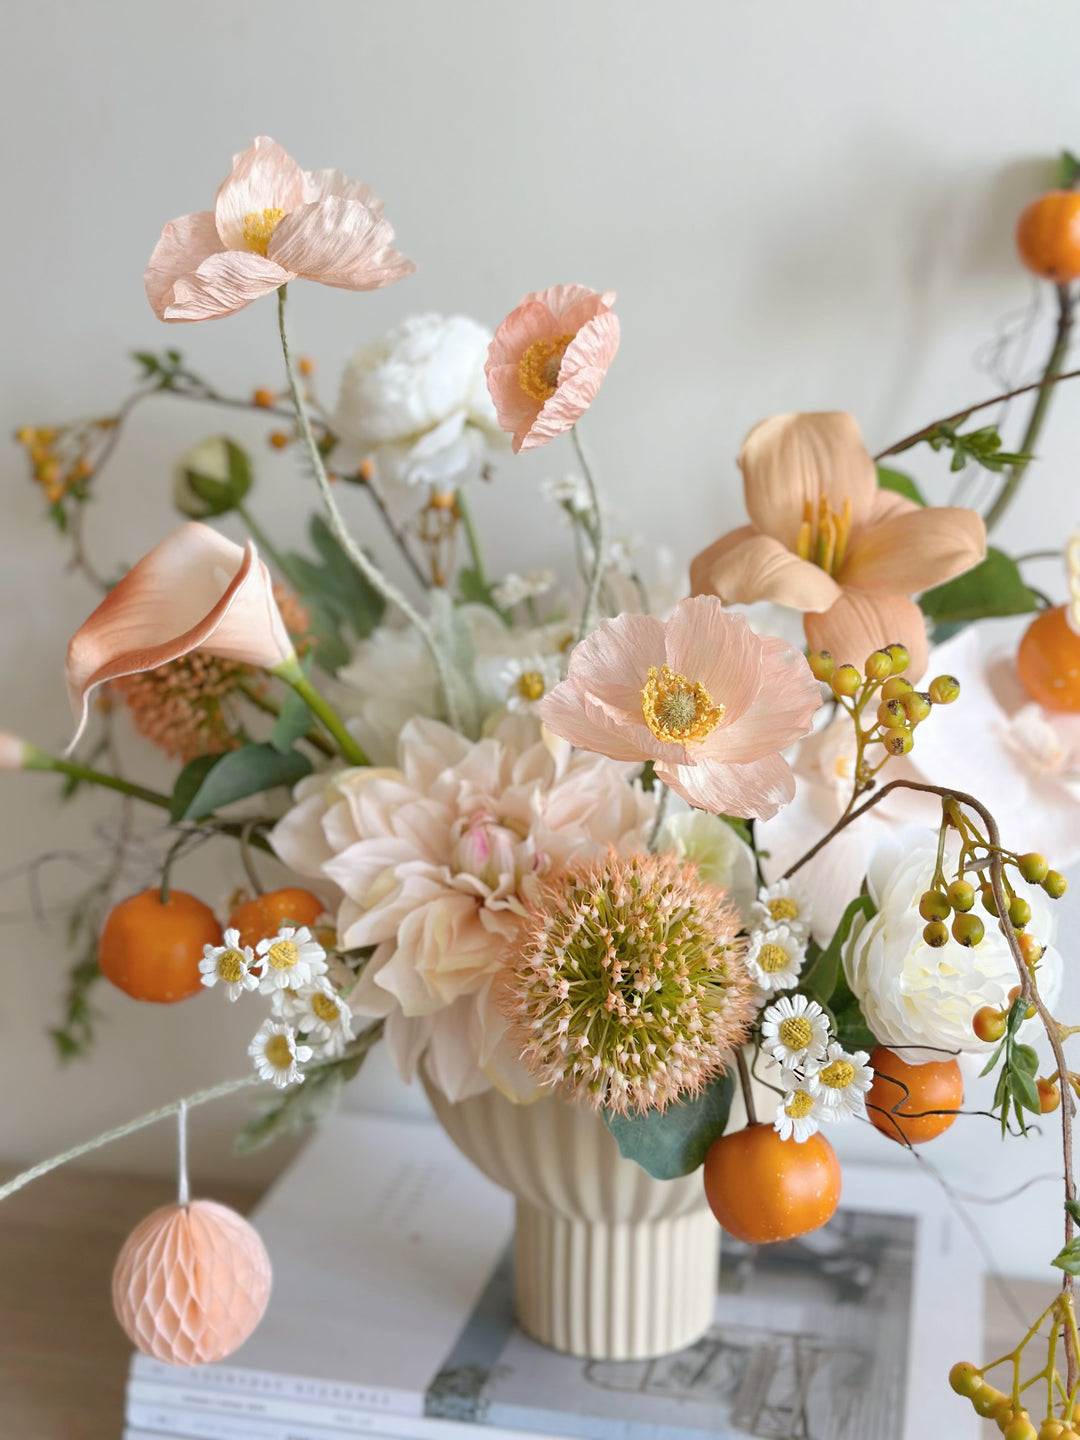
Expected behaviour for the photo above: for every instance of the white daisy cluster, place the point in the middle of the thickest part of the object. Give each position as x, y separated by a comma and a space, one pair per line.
823, 1082
310, 1019
512, 589
779, 932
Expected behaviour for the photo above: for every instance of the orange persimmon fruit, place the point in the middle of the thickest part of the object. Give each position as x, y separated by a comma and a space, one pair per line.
263, 916
1048, 236
902, 1098
152, 951
762, 1189
1048, 661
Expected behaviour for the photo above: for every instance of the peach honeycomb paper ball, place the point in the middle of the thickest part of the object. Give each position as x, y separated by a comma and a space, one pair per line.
191, 1283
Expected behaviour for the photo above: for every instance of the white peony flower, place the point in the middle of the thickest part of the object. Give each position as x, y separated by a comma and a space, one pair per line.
915, 995
289, 959
231, 964
775, 958
721, 857
276, 1054
840, 1081
417, 400
794, 1031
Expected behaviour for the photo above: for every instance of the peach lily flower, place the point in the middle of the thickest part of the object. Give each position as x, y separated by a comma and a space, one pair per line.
195, 591
271, 223
824, 539
710, 703
547, 360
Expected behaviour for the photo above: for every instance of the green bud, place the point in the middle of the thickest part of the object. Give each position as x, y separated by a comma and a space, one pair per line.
878, 666
1054, 884
1033, 867
211, 479
916, 706
961, 895
986, 895
896, 687
933, 905
845, 681
1019, 912
821, 665
900, 658
967, 929
944, 689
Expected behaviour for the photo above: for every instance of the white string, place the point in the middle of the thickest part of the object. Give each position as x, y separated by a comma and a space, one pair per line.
201, 1097
183, 1187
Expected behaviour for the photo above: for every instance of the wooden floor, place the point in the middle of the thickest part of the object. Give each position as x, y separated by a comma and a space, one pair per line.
63, 1358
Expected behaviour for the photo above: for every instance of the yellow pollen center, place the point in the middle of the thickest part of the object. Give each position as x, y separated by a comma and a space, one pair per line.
795, 1032
279, 1052
259, 225
772, 958
230, 967
530, 685
800, 1105
539, 366
283, 955
783, 908
676, 709
823, 538
324, 1007
838, 1075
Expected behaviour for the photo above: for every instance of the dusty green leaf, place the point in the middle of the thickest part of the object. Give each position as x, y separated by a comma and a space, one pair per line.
993, 587
674, 1143
240, 773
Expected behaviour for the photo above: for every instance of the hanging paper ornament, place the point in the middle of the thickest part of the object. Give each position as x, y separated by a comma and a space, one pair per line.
191, 1283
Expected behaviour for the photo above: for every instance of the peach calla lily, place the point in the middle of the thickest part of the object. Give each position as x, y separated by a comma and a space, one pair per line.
195, 591
271, 223
824, 539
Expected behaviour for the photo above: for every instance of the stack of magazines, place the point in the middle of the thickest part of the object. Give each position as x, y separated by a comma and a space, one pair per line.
391, 1319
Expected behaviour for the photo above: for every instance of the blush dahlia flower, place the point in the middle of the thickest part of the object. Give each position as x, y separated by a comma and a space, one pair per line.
629, 989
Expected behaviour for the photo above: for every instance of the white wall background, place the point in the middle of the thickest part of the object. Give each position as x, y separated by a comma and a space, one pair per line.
801, 206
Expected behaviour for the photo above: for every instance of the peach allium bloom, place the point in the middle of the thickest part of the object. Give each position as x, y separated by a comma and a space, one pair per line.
710, 703
547, 360
271, 223
824, 539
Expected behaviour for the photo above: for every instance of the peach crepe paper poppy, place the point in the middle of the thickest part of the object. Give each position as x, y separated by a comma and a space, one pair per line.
824, 539
271, 223
710, 703
195, 591
547, 360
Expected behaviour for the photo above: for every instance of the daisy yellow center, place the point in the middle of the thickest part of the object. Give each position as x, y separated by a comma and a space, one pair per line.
230, 967
279, 1052
324, 1007
795, 1032
800, 1105
772, 958
259, 225
783, 908
283, 955
823, 537
838, 1075
530, 685
539, 366
677, 709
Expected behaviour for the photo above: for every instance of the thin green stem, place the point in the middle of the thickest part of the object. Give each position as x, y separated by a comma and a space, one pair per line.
36, 759
259, 535
592, 594
320, 707
1054, 367
464, 513
271, 707
366, 567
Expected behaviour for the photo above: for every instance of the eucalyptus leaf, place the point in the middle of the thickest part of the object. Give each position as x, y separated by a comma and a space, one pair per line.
240, 773
673, 1143
993, 587
187, 783
294, 720
900, 483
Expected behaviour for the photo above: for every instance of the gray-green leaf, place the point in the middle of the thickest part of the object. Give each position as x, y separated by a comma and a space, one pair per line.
240, 773
674, 1143
993, 587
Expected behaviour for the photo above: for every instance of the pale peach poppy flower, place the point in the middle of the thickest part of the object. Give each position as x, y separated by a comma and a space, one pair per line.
271, 223
710, 703
824, 539
195, 591
547, 360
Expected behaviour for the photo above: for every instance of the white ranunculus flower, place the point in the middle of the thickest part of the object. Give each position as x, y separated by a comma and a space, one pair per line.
720, 856
417, 400
914, 995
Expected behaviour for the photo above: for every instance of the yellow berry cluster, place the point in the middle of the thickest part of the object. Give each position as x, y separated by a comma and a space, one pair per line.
900, 707
60, 458
1005, 1409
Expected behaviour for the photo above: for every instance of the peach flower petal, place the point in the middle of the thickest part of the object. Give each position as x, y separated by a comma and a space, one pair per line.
744, 566
223, 284
888, 503
860, 622
321, 184
184, 245
341, 243
791, 459
914, 550
196, 590
753, 791
264, 177
716, 649
778, 714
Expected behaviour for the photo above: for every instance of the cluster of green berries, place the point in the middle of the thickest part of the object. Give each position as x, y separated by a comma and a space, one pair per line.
900, 706
993, 1404
937, 904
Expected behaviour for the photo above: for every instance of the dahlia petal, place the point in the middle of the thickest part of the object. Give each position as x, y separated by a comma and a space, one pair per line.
321, 184
860, 622
223, 284
194, 591
339, 242
264, 177
788, 460
782, 709
185, 243
744, 566
914, 550
756, 790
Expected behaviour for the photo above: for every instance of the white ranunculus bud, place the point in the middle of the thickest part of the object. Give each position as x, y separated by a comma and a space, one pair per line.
913, 994
720, 856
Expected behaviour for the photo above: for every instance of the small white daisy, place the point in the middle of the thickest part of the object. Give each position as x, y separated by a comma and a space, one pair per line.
527, 680
276, 1054
320, 1013
231, 964
784, 903
800, 1113
794, 1030
512, 589
841, 1081
775, 957
289, 959
570, 490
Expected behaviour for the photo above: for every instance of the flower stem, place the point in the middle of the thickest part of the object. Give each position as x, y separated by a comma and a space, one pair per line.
464, 513
367, 567
36, 759
259, 535
270, 707
290, 671
747, 1088
592, 594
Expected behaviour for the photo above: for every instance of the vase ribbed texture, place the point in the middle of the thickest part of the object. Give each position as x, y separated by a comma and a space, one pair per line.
608, 1262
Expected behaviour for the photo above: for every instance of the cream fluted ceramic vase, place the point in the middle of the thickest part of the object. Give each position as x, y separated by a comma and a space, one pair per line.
608, 1262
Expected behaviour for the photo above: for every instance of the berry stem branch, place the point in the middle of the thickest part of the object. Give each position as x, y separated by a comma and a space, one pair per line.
747, 1088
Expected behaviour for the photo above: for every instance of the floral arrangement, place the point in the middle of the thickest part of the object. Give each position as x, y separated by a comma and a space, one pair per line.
587, 837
